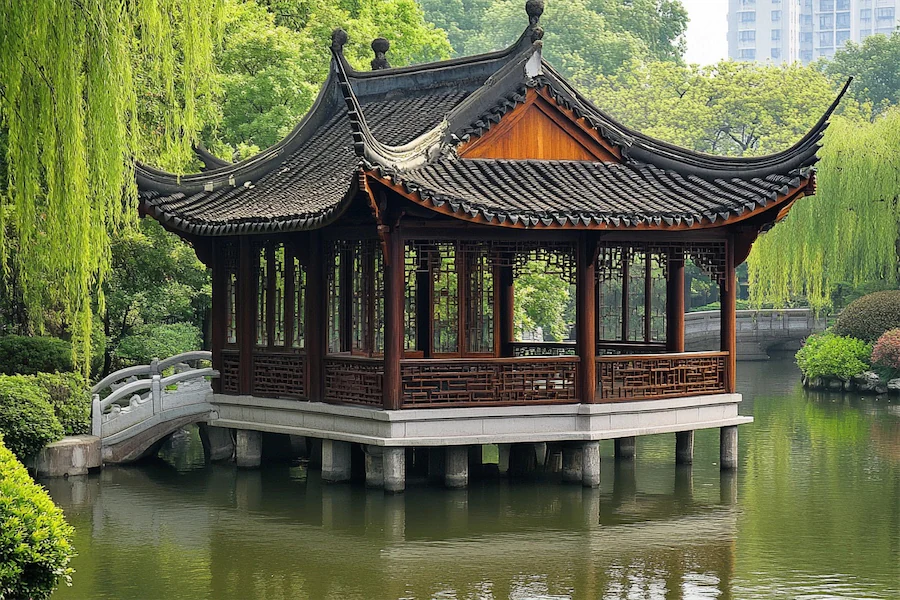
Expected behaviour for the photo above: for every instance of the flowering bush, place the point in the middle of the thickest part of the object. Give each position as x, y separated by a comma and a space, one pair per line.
886, 353
829, 355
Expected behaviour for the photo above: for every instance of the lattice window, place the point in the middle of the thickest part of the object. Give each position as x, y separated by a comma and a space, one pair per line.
609, 293
479, 303
299, 304
262, 296
378, 314
278, 273
445, 282
333, 268
230, 264
360, 294
637, 273
410, 310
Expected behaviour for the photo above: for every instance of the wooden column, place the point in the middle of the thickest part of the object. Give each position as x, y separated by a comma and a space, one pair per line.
219, 311
394, 294
316, 321
728, 296
586, 303
675, 303
504, 310
246, 314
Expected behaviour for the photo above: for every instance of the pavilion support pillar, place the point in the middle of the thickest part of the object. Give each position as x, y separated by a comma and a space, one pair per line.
246, 315
456, 467
219, 311
573, 457
586, 318
590, 464
248, 448
684, 447
335, 461
728, 296
394, 470
394, 294
625, 448
218, 444
316, 331
675, 304
728, 448
374, 466
504, 309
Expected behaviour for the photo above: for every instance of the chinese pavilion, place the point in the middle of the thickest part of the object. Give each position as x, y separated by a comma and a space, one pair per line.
365, 267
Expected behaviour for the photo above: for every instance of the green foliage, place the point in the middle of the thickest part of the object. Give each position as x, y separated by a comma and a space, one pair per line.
870, 316
70, 396
886, 353
545, 301
157, 341
739, 305
849, 233
875, 66
70, 75
830, 355
23, 355
27, 420
35, 547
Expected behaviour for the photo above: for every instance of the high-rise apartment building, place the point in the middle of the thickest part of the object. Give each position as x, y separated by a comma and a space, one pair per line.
781, 31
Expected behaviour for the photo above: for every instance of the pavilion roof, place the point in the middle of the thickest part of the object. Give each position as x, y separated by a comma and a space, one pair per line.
403, 127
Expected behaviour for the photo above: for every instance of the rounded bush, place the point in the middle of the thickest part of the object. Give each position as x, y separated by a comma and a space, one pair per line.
830, 355
23, 355
35, 547
70, 397
870, 316
27, 420
886, 353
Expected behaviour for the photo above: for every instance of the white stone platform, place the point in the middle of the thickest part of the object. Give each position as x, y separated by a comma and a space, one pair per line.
470, 426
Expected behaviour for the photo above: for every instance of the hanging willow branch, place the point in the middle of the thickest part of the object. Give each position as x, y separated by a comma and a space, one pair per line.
71, 72
849, 232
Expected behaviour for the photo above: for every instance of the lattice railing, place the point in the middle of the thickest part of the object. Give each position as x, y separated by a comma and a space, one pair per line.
354, 380
231, 372
644, 377
543, 349
279, 374
483, 382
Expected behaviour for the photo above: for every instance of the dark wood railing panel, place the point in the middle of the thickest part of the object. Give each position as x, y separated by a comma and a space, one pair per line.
354, 380
489, 382
651, 376
279, 374
613, 348
521, 349
230, 370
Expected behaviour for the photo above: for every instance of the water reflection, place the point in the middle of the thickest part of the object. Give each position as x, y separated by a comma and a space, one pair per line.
814, 510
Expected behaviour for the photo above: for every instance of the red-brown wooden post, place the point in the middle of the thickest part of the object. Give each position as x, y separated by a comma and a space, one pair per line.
728, 295
504, 308
219, 311
246, 314
316, 318
394, 294
586, 317
675, 302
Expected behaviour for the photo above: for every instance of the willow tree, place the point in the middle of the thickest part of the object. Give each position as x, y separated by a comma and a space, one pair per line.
849, 231
74, 79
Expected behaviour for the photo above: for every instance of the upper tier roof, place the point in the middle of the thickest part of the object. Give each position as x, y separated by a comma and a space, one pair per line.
404, 127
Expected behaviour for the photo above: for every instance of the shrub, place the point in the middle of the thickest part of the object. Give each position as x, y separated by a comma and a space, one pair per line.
35, 547
27, 420
23, 355
70, 397
157, 341
830, 355
886, 353
870, 316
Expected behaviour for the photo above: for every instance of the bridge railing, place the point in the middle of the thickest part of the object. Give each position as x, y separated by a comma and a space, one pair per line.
770, 320
130, 396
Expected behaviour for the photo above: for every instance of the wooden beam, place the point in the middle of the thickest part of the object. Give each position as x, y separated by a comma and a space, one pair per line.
728, 296
675, 303
394, 294
316, 318
586, 304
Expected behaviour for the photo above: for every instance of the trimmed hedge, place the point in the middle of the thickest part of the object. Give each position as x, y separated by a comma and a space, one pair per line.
70, 396
23, 355
870, 316
35, 547
830, 355
27, 420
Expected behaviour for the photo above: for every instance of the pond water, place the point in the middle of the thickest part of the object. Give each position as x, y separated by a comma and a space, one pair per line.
813, 512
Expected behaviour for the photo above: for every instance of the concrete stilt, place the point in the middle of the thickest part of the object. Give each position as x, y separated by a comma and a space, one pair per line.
374, 466
728, 488
217, 442
456, 467
572, 463
590, 464
625, 448
335, 461
504, 451
684, 448
394, 469
728, 448
248, 448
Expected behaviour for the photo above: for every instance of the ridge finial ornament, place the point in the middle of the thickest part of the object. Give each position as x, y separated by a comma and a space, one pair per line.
339, 37
380, 46
534, 8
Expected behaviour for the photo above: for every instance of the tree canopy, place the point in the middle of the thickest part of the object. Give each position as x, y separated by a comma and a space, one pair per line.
875, 64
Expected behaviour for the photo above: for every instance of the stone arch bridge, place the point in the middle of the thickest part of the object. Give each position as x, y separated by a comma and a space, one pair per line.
758, 331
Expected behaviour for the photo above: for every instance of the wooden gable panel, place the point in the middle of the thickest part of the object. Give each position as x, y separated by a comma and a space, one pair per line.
539, 130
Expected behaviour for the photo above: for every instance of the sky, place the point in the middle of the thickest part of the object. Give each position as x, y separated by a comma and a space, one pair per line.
706, 41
